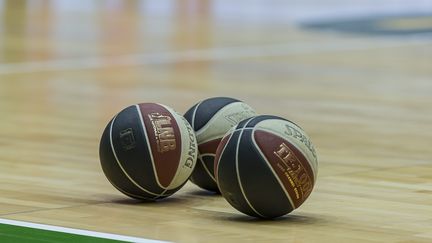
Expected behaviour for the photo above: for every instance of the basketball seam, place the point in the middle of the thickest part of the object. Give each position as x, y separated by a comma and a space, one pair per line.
120, 165
222, 151
205, 166
205, 127
206, 169
238, 173
300, 150
207, 154
193, 115
271, 169
124, 191
181, 150
150, 152
237, 129
130, 194
246, 123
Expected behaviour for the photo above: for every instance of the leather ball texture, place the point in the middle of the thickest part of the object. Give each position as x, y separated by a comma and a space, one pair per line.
211, 119
148, 151
266, 166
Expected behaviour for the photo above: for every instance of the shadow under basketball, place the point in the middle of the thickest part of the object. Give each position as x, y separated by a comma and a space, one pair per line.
204, 193
156, 203
289, 219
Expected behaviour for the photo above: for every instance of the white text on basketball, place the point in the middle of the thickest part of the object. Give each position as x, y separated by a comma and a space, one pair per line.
295, 133
190, 160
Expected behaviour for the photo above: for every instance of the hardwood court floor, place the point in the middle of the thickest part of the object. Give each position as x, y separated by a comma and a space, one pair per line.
68, 66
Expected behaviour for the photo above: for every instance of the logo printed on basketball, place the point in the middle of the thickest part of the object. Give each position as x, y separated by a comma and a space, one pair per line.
293, 132
127, 139
235, 118
164, 132
294, 172
190, 160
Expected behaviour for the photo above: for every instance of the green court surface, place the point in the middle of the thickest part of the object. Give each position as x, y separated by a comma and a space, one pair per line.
18, 231
18, 234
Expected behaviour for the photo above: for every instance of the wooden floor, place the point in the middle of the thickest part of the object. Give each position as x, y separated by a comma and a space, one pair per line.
66, 67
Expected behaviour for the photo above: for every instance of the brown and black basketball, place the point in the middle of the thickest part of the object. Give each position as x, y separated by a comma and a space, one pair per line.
266, 166
211, 119
148, 151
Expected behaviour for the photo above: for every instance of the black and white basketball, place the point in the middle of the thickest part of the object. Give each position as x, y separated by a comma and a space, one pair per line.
266, 166
211, 119
148, 151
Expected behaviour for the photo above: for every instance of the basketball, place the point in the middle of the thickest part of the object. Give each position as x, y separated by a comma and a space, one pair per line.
148, 151
211, 119
266, 166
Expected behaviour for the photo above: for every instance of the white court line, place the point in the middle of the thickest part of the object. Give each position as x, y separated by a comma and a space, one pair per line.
78, 231
213, 54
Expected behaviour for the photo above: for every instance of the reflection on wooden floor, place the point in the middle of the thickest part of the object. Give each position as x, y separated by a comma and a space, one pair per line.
66, 67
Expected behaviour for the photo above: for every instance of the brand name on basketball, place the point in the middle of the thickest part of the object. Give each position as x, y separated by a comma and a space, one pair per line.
190, 160
164, 132
295, 133
294, 171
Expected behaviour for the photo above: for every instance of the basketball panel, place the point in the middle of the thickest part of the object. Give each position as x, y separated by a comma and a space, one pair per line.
295, 135
220, 150
259, 183
201, 177
131, 149
207, 108
222, 120
189, 152
203, 174
288, 164
114, 173
165, 141
189, 115
227, 177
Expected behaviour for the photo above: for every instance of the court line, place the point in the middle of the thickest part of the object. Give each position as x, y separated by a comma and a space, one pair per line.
78, 231
212, 54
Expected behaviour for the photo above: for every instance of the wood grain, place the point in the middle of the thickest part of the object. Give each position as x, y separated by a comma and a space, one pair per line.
364, 101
